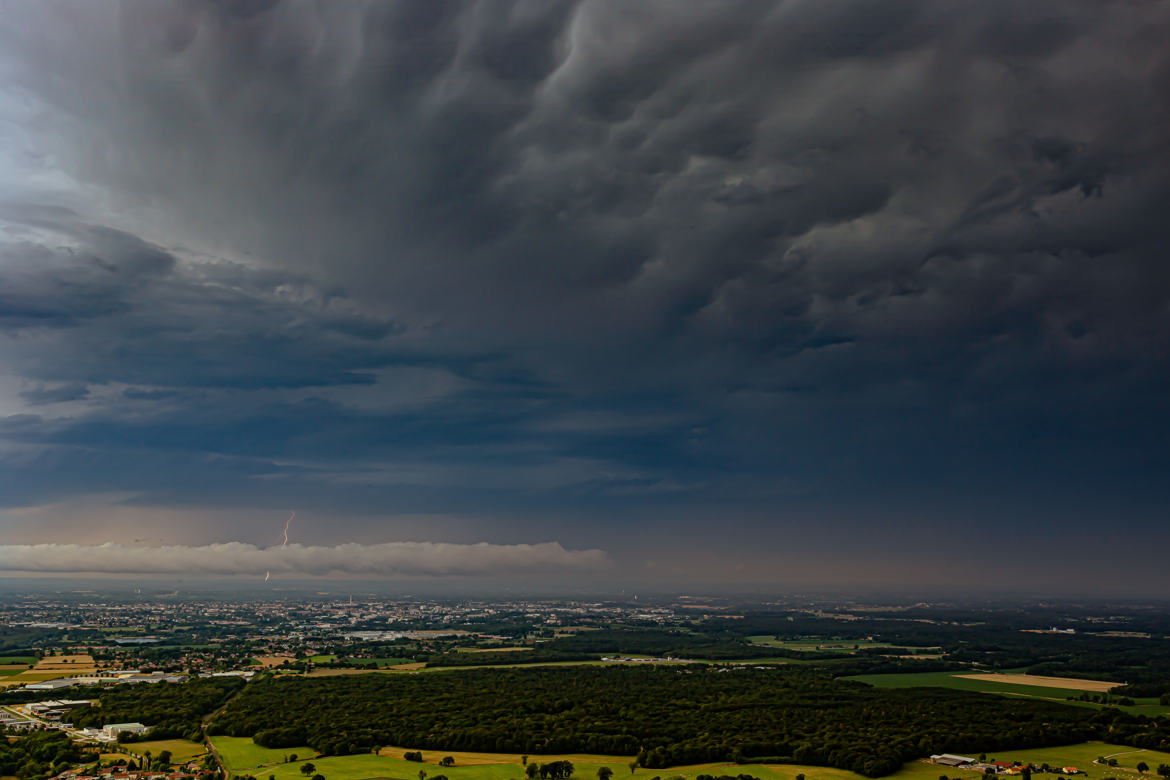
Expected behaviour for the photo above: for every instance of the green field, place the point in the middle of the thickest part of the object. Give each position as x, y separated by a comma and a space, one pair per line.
952, 680
241, 753
10, 672
18, 659
844, 646
181, 749
379, 662
490, 766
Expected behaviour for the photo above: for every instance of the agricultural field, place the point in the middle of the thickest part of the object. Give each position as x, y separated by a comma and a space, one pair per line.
81, 662
995, 684
181, 749
270, 661
1067, 683
499, 766
23, 660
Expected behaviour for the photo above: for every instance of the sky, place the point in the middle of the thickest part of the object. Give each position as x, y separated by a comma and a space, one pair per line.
804, 292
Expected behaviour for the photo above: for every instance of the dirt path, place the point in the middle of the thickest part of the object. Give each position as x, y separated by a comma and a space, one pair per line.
207, 740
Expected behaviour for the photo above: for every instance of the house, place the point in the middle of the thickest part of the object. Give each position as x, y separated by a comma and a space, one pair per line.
950, 759
1070, 770
114, 729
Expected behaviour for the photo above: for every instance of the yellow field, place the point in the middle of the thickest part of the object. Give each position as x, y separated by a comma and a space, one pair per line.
269, 661
1093, 686
64, 665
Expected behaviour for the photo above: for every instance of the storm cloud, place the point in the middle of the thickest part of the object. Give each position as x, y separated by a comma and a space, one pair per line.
617, 269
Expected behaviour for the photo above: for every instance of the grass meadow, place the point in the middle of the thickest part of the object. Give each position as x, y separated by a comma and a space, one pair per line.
244, 757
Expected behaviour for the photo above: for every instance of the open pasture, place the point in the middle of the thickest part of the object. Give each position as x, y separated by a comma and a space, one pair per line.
501, 766
241, 753
181, 749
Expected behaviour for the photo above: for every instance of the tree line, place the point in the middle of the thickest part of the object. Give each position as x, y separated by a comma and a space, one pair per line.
664, 716
172, 710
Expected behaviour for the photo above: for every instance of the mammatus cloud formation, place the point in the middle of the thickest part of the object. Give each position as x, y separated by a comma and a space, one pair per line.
421, 559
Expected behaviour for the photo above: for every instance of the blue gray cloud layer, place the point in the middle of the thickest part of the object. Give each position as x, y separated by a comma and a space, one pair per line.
595, 272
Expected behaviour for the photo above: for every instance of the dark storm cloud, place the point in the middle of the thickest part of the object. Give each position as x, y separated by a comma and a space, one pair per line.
825, 248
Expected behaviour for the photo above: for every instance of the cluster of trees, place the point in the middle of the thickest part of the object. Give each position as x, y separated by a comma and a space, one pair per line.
553, 770
39, 754
172, 710
664, 715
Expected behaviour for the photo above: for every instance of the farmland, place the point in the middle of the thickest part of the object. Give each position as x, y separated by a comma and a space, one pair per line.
1066, 683
997, 684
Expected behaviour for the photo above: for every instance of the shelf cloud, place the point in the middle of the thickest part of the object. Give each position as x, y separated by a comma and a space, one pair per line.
423, 559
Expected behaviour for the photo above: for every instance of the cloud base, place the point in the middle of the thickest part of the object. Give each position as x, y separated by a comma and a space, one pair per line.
421, 559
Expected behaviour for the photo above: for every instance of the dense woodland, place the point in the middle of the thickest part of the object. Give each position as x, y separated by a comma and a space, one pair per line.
665, 715
172, 710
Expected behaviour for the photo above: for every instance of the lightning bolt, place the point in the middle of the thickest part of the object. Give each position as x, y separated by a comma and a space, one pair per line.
284, 543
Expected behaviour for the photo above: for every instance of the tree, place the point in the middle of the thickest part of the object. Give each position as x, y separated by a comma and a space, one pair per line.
447, 761
633, 765
531, 770
422, 774
307, 769
1143, 767
604, 773
523, 760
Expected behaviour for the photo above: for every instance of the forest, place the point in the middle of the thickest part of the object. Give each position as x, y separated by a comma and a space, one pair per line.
172, 710
664, 715
38, 754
